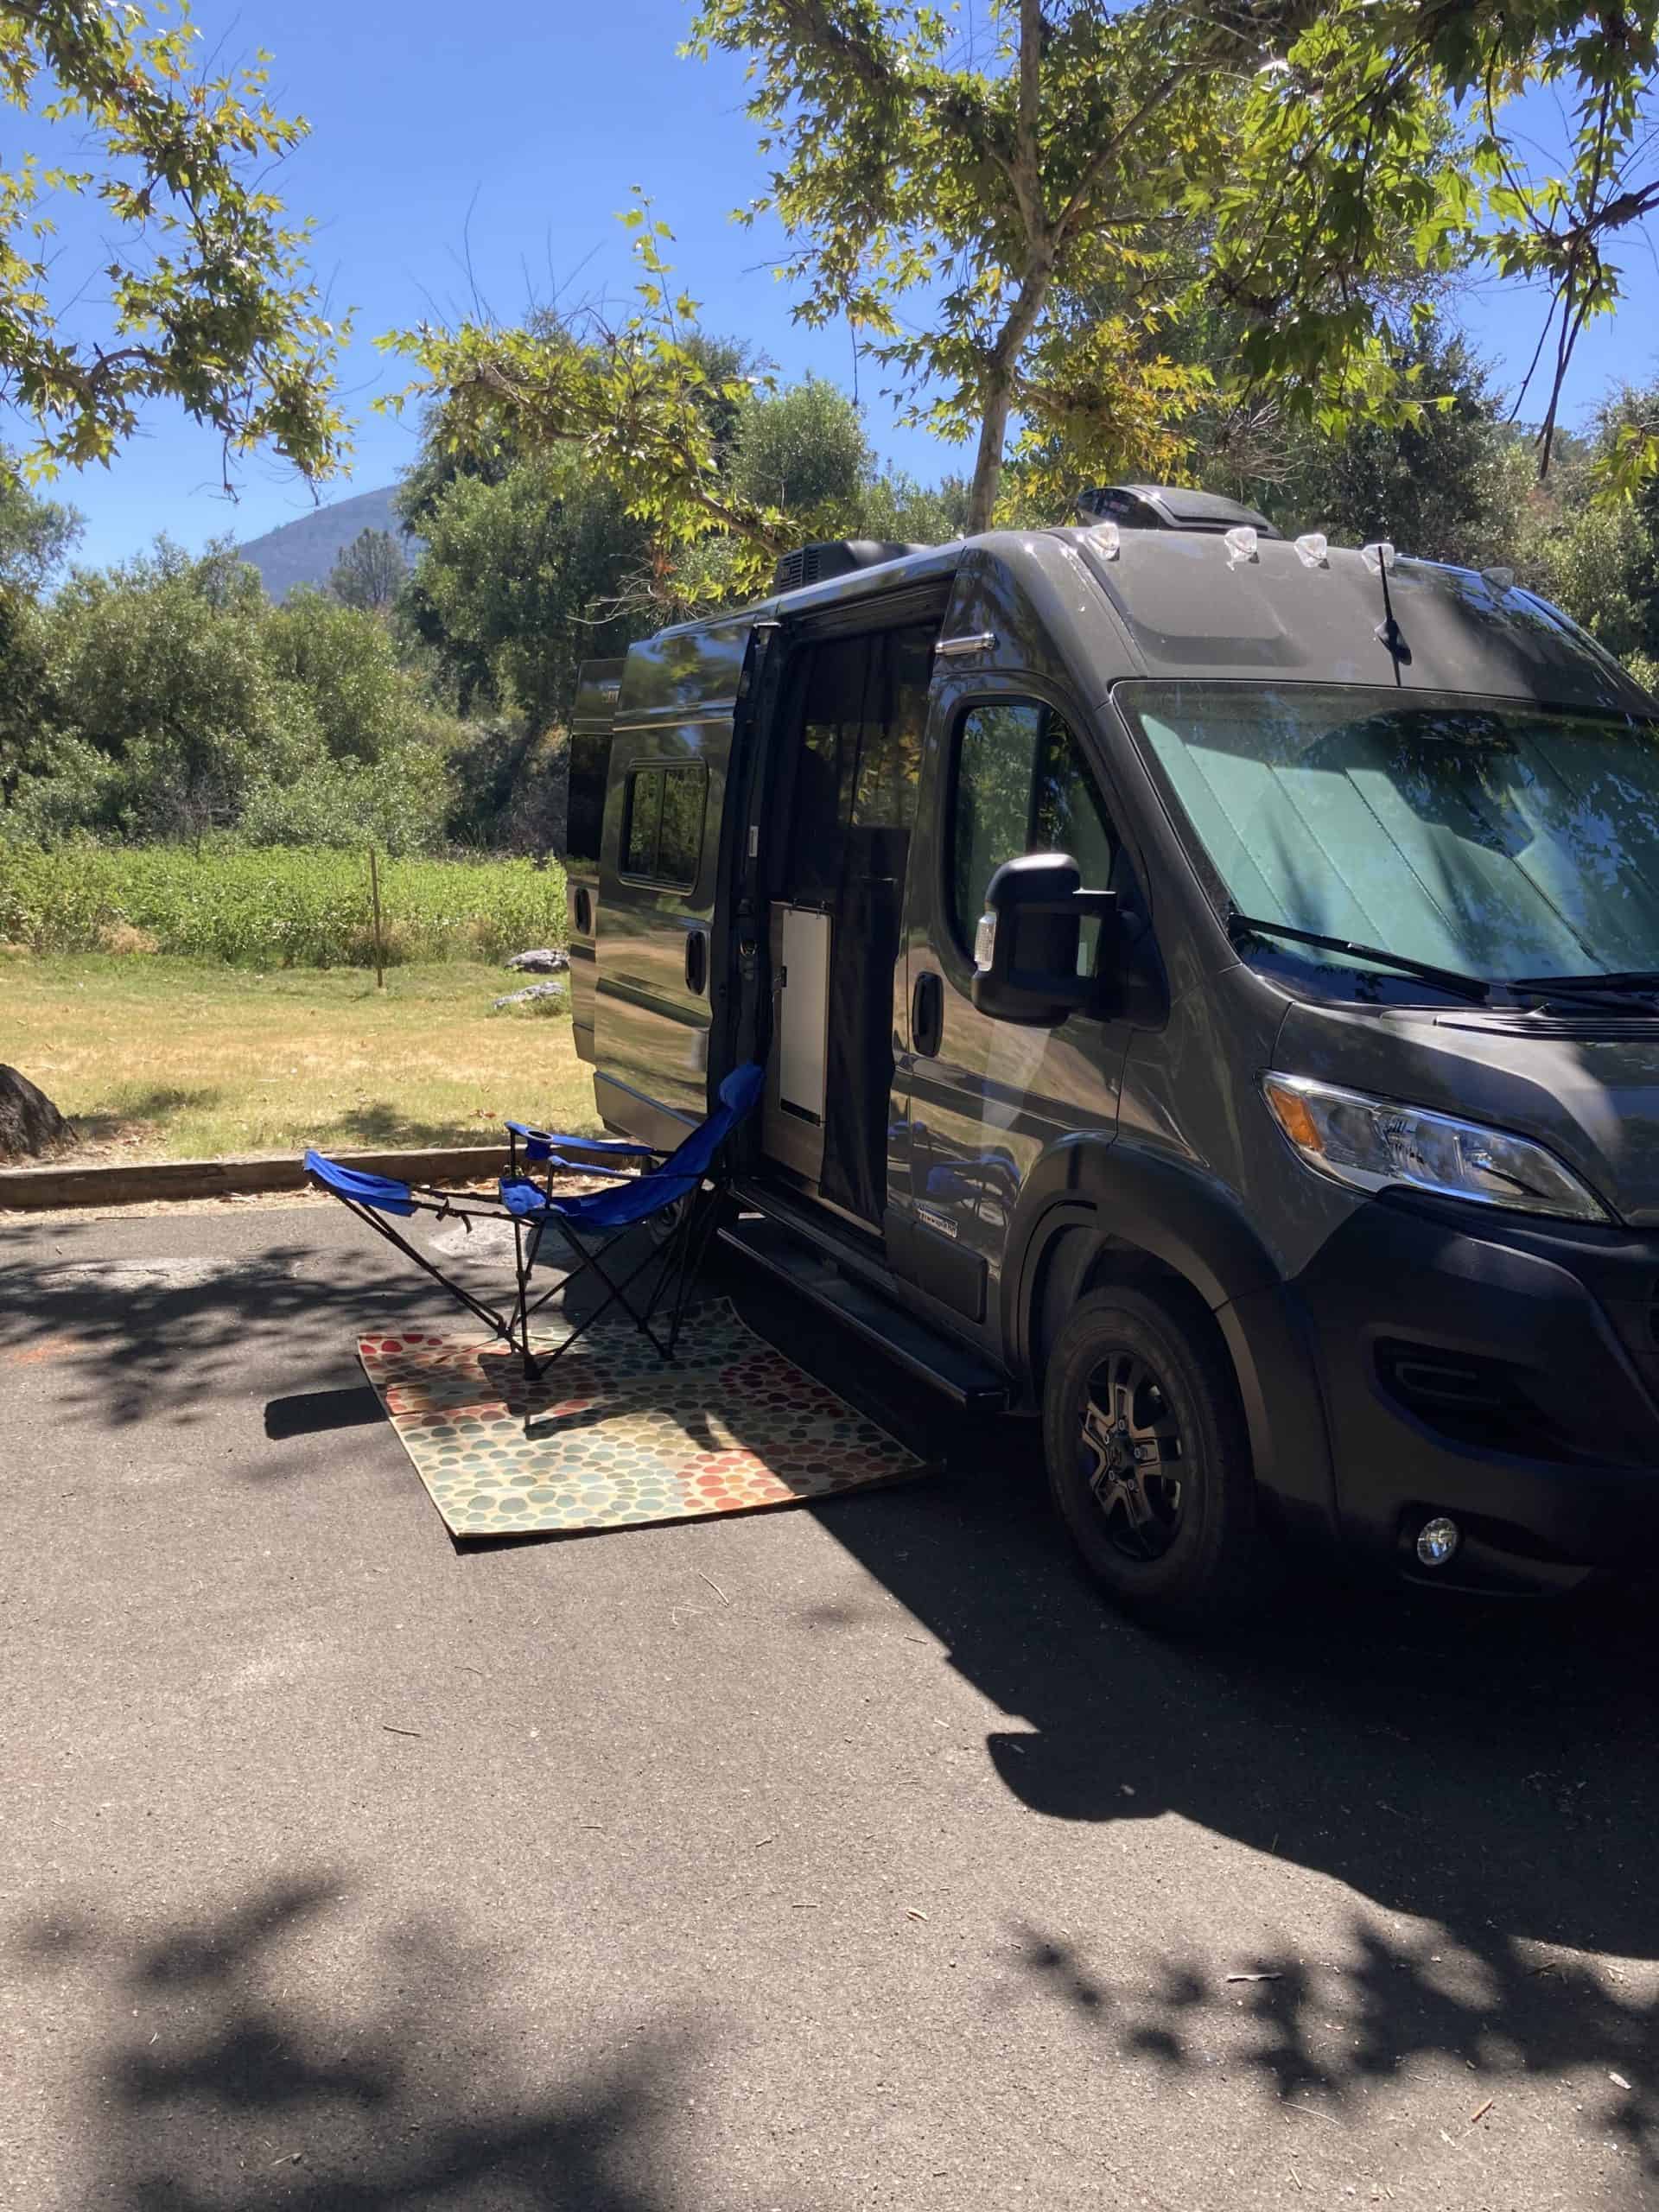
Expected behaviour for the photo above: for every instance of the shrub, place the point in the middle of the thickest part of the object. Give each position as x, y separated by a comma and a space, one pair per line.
290, 908
395, 804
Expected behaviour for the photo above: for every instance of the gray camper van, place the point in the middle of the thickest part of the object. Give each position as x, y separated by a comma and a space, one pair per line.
1209, 989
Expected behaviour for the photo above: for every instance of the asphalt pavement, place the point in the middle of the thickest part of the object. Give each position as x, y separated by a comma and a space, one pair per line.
814, 1861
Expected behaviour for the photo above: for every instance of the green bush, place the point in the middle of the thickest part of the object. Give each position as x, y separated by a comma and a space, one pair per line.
288, 908
397, 805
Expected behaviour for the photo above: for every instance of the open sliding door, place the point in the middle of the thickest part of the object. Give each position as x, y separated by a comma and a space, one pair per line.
852, 725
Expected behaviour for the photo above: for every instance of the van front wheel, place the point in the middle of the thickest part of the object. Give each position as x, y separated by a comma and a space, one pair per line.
1148, 1460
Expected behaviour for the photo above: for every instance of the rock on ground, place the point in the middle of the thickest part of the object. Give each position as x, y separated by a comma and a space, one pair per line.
30, 1125
546, 960
531, 991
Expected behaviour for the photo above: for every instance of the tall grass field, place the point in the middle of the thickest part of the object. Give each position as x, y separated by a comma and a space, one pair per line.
282, 907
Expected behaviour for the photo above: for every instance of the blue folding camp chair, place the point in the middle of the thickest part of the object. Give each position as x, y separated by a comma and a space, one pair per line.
691, 1178
685, 1177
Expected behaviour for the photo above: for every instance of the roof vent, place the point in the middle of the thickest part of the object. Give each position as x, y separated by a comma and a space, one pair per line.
1168, 507
835, 556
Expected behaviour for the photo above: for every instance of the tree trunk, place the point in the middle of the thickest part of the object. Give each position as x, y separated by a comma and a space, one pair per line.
1035, 278
998, 397
30, 1125
987, 462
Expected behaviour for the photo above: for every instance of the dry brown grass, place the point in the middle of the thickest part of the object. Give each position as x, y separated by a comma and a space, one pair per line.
154, 1058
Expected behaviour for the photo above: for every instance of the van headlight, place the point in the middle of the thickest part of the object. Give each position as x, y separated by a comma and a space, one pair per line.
1375, 1144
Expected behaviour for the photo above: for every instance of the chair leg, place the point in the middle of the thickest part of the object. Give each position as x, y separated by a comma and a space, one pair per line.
682, 1262
700, 1227
497, 1324
615, 1294
521, 1268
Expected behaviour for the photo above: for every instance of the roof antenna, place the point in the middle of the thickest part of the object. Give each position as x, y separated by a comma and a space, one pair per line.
1379, 559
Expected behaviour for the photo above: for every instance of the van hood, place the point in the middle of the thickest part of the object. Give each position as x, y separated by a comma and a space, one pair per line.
1586, 1085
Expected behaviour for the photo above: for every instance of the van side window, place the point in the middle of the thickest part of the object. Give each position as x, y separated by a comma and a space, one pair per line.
1021, 787
590, 754
661, 830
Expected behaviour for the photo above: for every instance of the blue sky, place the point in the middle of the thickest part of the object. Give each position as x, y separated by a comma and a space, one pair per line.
454, 147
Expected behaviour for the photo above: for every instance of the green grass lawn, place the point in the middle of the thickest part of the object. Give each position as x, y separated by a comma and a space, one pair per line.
155, 1058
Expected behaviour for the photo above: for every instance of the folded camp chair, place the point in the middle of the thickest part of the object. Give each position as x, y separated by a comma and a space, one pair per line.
691, 1177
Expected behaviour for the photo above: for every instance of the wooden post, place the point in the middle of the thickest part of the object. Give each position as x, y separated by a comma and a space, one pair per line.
379, 953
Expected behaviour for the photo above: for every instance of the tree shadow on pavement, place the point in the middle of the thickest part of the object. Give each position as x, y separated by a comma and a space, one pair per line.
1482, 1779
1485, 1779
275, 2053
1330, 2039
1485, 1776
137, 1340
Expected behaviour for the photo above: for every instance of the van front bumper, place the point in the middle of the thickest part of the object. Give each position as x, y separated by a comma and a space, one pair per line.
1501, 1371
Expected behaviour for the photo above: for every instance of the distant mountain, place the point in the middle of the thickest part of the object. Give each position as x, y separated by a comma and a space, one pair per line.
304, 552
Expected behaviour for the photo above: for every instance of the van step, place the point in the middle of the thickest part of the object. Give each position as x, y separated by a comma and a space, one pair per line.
947, 1367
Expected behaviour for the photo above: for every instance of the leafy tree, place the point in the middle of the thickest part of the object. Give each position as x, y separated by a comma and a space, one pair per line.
523, 578
1599, 559
1450, 485
169, 698
1339, 143
31, 749
156, 666
370, 573
647, 403
804, 453
400, 804
35, 534
339, 677
805, 450
211, 303
982, 188
895, 506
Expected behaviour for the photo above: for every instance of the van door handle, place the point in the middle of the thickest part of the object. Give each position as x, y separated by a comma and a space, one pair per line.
696, 961
927, 1013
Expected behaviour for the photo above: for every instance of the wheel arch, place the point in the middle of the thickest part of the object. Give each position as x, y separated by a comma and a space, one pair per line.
1096, 1213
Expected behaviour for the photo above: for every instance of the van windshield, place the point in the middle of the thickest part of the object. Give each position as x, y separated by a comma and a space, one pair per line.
1497, 839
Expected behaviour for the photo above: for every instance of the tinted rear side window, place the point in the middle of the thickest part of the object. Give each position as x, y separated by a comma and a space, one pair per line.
680, 844
662, 837
590, 753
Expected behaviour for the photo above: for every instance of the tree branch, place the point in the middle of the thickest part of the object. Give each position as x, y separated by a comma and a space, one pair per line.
1071, 219
1028, 161
812, 24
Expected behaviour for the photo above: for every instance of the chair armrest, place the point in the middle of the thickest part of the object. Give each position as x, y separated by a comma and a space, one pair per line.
540, 1143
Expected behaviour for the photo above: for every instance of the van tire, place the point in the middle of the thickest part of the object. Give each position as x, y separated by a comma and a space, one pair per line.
1156, 1488
659, 1227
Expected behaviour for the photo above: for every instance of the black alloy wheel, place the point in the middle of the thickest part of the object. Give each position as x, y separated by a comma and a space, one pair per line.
1132, 1459
1149, 1459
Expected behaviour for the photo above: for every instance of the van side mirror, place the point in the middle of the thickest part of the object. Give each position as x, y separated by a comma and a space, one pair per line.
1026, 947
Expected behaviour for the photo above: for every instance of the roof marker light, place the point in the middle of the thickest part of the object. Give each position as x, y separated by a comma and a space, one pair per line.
1312, 549
1106, 540
1241, 545
1378, 558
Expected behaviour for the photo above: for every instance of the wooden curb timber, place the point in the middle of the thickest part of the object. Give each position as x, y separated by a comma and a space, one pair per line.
33, 1190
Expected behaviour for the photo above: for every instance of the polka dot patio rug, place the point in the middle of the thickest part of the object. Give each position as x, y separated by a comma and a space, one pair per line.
612, 1439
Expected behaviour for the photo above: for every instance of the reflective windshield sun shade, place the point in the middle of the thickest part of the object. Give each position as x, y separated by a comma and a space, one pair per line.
1493, 837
